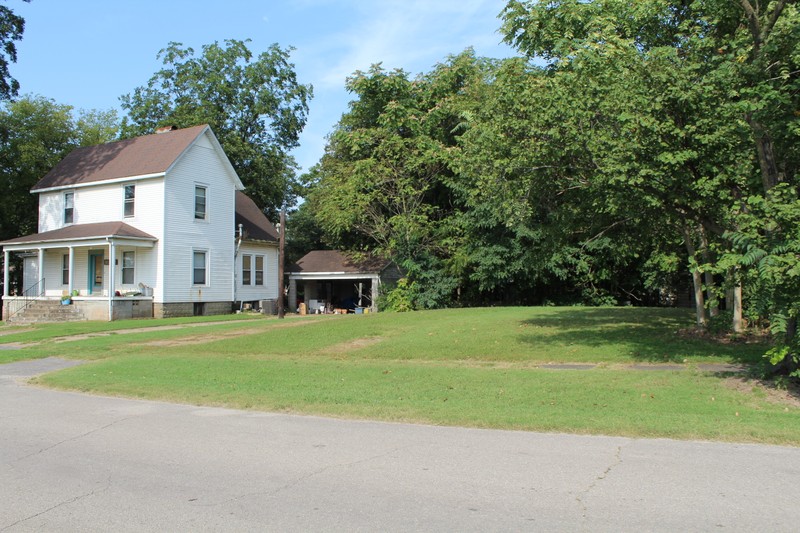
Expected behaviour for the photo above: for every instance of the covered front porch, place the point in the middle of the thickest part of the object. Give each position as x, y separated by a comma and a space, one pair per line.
106, 270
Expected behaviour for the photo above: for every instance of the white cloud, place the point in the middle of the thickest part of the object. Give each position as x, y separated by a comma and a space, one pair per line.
412, 35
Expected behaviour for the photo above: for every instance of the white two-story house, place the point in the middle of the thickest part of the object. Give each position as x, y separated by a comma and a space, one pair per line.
152, 226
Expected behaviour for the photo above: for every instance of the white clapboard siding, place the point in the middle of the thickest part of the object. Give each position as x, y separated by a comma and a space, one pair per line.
51, 211
148, 216
183, 234
105, 202
268, 291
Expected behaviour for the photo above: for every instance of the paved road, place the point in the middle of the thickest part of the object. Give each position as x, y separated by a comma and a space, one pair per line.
72, 462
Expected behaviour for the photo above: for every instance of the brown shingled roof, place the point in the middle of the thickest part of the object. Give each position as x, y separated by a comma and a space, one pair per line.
255, 224
150, 154
336, 261
84, 231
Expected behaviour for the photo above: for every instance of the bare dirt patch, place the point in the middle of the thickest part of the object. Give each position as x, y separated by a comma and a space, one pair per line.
204, 338
211, 337
11, 330
773, 394
351, 345
750, 337
263, 326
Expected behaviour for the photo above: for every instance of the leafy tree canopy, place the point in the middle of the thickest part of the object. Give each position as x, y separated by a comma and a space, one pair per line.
255, 106
35, 134
11, 28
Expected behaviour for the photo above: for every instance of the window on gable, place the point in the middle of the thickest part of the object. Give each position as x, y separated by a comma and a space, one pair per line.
259, 270
65, 269
128, 264
247, 269
130, 199
199, 268
69, 207
199, 202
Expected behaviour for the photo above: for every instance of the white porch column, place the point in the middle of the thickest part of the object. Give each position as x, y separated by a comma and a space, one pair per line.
292, 295
374, 293
112, 258
41, 272
6, 258
71, 268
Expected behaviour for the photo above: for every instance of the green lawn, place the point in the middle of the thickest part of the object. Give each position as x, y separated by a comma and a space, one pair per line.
470, 367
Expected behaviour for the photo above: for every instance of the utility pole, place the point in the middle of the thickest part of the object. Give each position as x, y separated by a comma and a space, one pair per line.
281, 240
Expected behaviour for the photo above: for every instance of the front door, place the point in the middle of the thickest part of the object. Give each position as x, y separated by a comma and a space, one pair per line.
95, 272
30, 273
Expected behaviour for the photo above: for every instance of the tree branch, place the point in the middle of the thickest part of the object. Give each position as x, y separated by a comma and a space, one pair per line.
776, 14
752, 22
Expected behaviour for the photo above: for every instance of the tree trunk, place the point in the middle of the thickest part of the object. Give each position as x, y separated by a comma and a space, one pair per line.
711, 296
738, 323
770, 176
789, 363
697, 279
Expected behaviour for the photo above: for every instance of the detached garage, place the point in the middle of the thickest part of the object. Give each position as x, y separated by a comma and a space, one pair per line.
328, 281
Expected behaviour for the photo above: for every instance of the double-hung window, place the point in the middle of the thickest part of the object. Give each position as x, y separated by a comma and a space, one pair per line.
199, 267
200, 202
69, 207
259, 270
128, 264
130, 200
247, 269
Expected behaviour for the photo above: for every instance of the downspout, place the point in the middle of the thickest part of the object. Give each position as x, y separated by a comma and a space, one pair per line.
235, 269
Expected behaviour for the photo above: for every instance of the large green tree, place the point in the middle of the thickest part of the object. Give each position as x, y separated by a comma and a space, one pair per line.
718, 126
11, 28
254, 104
386, 184
35, 134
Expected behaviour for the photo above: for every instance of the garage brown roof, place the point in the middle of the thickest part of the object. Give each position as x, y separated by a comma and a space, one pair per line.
83, 232
336, 261
141, 156
255, 224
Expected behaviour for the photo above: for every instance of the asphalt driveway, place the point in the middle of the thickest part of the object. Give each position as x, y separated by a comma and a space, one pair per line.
73, 462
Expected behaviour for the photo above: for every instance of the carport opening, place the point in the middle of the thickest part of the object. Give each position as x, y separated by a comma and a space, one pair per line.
332, 296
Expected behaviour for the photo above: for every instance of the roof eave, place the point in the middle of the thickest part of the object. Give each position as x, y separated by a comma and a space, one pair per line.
27, 244
101, 182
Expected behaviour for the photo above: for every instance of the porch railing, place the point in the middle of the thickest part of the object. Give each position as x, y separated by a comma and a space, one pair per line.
20, 303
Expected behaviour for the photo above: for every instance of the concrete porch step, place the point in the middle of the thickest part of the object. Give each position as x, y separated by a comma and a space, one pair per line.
41, 311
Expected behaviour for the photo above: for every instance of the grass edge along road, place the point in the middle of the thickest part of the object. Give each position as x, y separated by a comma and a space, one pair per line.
466, 367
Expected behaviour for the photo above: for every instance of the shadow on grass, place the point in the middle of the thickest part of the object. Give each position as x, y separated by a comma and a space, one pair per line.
651, 335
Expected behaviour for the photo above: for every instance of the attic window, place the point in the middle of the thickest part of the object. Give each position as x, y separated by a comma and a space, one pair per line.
69, 207
130, 199
199, 202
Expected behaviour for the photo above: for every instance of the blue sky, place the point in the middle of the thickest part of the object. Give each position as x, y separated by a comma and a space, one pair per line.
87, 53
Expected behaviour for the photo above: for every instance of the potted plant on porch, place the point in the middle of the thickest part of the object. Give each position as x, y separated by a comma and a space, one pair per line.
66, 299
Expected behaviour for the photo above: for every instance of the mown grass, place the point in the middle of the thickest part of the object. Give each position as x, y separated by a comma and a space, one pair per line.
469, 367
677, 404
51, 331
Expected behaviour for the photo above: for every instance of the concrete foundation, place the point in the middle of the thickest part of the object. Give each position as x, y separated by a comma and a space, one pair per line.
123, 308
167, 310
